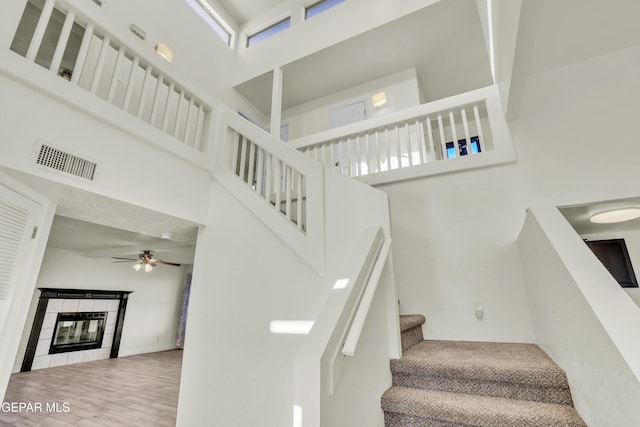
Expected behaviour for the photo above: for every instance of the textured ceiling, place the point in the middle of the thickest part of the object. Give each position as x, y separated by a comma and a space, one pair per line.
98, 226
444, 42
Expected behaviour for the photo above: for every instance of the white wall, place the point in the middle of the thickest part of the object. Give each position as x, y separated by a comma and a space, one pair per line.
582, 319
153, 309
576, 137
128, 170
454, 246
244, 277
315, 116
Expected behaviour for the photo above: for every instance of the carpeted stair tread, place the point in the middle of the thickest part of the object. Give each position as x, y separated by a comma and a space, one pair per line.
409, 407
509, 363
408, 321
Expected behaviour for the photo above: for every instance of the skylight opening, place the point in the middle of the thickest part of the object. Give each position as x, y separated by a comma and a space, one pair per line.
269, 31
213, 19
319, 7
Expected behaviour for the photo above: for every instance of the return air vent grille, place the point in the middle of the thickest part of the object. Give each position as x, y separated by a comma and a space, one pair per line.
64, 162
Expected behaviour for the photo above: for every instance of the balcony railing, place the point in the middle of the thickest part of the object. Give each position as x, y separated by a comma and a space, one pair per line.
55, 36
406, 144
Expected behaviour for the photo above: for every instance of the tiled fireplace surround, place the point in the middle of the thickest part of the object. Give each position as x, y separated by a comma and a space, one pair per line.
54, 301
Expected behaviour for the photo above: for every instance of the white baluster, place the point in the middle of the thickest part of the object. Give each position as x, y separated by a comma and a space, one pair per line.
379, 151
82, 54
443, 141
243, 156
130, 83
156, 100
235, 151
289, 178
350, 170
300, 202
432, 148
370, 154
165, 118
476, 115
116, 75
409, 147
357, 149
62, 41
41, 27
106, 40
260, 171
143, 92
199, 126
454, 133
176, 125
421, 145
465, 126
387, 147
277, 180
398, 147
252, 160
189, 125
268, 163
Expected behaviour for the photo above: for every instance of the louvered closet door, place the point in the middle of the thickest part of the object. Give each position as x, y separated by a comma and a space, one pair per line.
16, 228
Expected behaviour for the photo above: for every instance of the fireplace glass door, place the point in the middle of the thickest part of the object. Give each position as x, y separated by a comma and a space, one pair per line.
78, 331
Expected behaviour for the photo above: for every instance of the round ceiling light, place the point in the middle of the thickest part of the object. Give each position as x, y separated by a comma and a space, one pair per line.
616, 215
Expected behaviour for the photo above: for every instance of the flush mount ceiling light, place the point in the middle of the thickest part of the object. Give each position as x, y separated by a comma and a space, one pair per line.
379, 99
164, 51
616, 215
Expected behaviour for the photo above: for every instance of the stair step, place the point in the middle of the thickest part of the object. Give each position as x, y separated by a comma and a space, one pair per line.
514, 371
411, 329
408, 407
408, 321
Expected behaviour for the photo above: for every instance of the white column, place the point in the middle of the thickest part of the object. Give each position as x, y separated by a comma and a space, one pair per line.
276, 102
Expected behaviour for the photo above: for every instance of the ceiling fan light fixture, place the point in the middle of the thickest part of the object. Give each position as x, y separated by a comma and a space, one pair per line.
137, 266
616, 215
148, 268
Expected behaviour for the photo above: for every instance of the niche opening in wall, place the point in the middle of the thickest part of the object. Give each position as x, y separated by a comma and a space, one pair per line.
614, 256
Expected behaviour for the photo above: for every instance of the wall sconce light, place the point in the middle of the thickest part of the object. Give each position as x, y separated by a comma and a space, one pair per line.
164, 51
379, 99
616, 215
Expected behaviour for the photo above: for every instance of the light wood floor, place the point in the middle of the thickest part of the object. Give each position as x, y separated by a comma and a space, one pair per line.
140, 390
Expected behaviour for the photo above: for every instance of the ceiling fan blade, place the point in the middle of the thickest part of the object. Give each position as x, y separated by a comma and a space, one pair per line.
127, 259
166, 263
117, 261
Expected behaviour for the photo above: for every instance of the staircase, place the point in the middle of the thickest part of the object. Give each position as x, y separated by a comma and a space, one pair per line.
455, 384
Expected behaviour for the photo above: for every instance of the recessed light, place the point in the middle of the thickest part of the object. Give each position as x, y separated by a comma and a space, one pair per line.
616, 215
341, 284
166, 236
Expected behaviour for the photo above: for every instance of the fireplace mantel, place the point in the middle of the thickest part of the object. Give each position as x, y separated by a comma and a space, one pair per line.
118, 298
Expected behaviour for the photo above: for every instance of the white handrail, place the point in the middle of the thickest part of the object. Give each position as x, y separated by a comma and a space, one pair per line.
357, 324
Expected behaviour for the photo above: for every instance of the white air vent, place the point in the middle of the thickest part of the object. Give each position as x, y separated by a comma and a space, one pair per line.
64, 162
13, 221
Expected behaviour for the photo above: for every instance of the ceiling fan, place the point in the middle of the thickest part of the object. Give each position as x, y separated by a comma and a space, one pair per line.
145, 260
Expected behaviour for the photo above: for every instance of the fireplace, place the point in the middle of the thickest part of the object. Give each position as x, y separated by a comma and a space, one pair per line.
78, 331
75, 325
